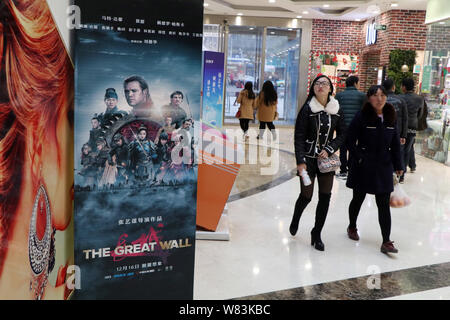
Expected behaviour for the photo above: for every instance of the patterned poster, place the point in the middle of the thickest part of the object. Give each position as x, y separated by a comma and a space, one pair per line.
36, 144
138, 82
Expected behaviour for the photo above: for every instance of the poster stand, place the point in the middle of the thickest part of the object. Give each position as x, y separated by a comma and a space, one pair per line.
222, 232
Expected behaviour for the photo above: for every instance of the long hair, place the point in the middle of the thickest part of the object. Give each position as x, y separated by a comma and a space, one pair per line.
311, 88
249, 87
270, 95
35, 90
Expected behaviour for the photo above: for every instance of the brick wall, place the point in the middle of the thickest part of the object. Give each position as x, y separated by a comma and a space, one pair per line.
406, 30
336, 35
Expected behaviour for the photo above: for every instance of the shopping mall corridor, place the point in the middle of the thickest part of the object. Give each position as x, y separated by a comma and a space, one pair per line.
263, 261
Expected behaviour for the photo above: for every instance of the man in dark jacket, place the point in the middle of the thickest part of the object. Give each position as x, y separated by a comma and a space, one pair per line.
351, 101
401, 111
415, 104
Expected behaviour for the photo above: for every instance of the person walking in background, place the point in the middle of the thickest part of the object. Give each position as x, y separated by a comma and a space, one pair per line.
266, 106
402, 114
351, 101
246, 99
317, 121
415, 105
374, 146
422, 125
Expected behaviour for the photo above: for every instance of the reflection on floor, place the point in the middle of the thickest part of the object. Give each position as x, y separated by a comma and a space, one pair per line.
262, 257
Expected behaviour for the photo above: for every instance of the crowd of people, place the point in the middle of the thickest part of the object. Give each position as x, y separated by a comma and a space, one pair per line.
150, 147
374, 133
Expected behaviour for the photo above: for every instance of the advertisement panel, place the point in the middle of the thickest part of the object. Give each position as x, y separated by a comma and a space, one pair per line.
36, 154
138, 82
213, 75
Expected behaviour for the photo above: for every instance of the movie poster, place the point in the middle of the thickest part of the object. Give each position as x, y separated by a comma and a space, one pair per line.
213, 73
138, 82
36, 154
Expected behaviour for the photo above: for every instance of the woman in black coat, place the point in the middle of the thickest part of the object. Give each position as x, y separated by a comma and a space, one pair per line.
374, 145
317, 121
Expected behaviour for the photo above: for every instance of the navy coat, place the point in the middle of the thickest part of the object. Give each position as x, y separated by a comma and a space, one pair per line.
374, 147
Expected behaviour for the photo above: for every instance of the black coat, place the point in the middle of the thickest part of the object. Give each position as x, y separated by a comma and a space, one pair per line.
402, 113
315, 128
374, 147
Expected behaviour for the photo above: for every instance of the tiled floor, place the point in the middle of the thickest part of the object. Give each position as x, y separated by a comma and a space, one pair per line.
263, 257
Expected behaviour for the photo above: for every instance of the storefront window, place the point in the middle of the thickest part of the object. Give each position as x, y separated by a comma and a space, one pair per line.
434, 141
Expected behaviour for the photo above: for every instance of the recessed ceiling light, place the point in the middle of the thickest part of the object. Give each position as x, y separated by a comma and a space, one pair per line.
240, 14
272, 1
358, 19
206, 4
442, 22
290, 29
252, 28
272, 32
394, 4
299, 17
326, 5
305, 12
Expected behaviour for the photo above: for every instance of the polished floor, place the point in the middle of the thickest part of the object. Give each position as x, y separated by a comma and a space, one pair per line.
263, 261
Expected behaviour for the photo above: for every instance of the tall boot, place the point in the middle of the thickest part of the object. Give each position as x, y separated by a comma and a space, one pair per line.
261, 134
274, 134
300, 206
321, 215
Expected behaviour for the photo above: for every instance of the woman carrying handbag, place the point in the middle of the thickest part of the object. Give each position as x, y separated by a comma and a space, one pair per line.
315, 147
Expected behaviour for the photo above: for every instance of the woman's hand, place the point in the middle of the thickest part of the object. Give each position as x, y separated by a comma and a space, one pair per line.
323, 154
301, 167
399, 172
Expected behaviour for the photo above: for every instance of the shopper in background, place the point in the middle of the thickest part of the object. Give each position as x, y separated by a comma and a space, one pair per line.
402, 114
266, 105
374, 146
317, 121
351, 101
422, 125
415, 105
246, 99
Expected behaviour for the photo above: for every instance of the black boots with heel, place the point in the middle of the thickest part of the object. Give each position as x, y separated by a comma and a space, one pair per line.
300, 205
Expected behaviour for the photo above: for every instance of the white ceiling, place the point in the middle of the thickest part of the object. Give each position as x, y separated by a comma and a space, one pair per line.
342, 9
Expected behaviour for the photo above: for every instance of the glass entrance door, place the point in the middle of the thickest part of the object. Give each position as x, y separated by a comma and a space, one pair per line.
243, 64
282, 68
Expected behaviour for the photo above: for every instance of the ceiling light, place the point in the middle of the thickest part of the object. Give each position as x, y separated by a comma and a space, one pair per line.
305, 12
358, 19
374, 9
272, 32
206, 4
252, 28
394, 4
272, 1
299, 17
240, 14
442, 22
290, 29
326, 5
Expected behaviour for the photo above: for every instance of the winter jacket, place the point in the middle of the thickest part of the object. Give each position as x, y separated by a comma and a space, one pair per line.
402, 113
315, 128
414, 103
374, 146
351, 101
266, 113
247, 105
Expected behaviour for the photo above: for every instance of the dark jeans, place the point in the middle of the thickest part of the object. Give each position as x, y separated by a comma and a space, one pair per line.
262, 125
244, 124
343, 156
412, 157
410, 138
384, 211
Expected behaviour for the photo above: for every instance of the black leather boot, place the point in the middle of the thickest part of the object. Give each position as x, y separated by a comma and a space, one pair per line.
300, 206
321, 215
